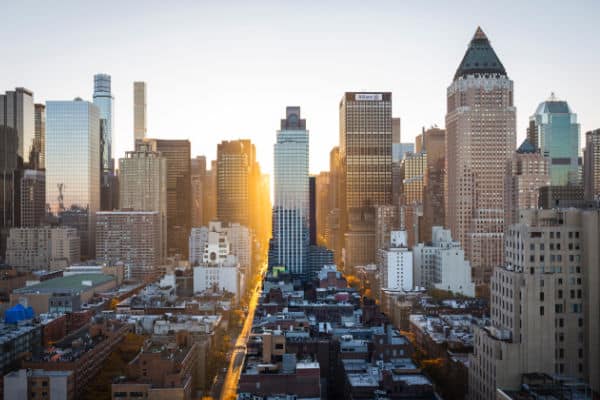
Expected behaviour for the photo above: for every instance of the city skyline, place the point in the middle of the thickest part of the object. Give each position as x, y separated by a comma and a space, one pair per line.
209, 67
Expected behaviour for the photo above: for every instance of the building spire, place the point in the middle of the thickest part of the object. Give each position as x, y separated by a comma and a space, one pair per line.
479, 34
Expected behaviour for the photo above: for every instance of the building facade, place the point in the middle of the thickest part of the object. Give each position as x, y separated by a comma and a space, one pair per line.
441, 264
179, 192
131, 237
42, 248
526, 173
73, 167
557, 131
291, 188
591, 165
480, 139
140, 129
234, 161
544, 305
33, 198
143, 185
397, 264
365, 153
434, 143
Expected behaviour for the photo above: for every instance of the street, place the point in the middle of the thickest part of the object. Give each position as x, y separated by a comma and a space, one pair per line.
236, 362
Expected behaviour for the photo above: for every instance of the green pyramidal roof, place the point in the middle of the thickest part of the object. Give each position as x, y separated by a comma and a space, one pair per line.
480, 58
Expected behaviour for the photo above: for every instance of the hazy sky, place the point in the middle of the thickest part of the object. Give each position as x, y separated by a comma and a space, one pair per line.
227, 69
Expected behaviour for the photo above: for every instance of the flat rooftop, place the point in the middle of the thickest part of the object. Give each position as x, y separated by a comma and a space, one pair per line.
72, 283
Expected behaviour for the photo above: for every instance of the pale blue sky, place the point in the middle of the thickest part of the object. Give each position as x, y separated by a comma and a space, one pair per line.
226, 70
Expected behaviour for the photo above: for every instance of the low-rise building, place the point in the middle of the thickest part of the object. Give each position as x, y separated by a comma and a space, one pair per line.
26, 384
397, 263
160, 371
64, 294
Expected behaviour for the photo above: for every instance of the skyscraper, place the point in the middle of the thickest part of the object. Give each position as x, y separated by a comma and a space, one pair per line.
139, 111
234, 161
73, 168
17, 139
526, 173
143, 175
434, 143
557, 134
591, 164
103, 99
40, 135
366, 162
397, 148
291, 208
480, 139
179, 192
198, 166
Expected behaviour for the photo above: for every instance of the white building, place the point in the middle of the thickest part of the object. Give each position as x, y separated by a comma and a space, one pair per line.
215, 267
42, 248
397, 263
237, 237
442, 264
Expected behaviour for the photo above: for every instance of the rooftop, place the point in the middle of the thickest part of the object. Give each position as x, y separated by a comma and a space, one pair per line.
480, 58
73, 283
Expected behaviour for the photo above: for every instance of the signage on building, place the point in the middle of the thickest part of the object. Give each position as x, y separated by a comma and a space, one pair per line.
368, 97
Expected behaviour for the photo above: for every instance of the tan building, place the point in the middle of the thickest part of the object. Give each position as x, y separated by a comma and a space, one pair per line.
143, 185
161, 371
39, 384
139, 111
591, 165
366, 162
526, 173
434, 142
545, 306
130, 237
31, 249
480, 139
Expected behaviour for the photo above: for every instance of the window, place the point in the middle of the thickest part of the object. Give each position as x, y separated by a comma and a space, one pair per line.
542, 310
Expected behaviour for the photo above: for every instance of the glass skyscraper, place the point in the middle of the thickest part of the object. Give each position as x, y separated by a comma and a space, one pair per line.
557, 134
289, 246
73, 166
103, 99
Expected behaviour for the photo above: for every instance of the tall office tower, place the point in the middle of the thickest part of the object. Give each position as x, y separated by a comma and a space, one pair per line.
334, 232
532, 136
323, 200
312, 210
397, 148
397, 264
179, 192
209, 194
17, 139
480, 139
104, 99
139, 111
526, 173
73, 168
591, 165
39, 137
198, 168
434, 143
291, 210
130, 237
143, 175
414, 168
557, 135
366, 162
234, 161
544, 304
33, 198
